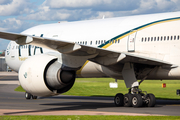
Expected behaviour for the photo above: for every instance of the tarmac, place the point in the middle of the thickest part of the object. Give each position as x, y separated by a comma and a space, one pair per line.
14, 103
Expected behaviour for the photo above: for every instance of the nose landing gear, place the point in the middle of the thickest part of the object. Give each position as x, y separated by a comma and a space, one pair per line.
29, 96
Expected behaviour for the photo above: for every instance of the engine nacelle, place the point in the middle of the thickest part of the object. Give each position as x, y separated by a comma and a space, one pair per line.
41, 75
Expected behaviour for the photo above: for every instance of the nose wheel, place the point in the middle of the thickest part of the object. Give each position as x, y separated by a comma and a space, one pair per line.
29, 96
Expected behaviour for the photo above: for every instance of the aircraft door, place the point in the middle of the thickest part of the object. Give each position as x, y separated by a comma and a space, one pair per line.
131, 41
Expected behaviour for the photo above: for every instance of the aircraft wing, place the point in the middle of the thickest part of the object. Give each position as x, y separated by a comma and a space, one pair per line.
101, 56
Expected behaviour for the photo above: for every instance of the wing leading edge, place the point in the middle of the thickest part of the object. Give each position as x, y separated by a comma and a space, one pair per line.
101, 56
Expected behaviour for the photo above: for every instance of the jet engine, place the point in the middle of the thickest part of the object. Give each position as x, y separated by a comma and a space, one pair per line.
42, 75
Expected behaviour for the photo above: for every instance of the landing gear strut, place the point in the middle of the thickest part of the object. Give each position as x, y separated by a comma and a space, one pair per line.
29, 96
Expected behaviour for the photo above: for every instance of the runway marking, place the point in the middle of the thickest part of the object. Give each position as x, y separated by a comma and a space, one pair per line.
10, 82
172, 105
2, 77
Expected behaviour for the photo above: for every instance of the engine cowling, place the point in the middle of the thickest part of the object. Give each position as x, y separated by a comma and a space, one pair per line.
41, 75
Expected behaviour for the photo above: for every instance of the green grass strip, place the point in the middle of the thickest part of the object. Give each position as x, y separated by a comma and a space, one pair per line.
87, 117
100, 87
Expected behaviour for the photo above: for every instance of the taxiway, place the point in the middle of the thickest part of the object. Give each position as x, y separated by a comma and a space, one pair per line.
14, 103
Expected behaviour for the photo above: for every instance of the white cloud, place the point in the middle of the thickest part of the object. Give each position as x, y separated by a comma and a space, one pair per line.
157, 6
71, 10
97, 5
14, 25
15, 7
26, 11
2, 2
47, 15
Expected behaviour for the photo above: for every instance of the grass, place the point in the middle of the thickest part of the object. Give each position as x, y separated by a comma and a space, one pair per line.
100, 87
87, 117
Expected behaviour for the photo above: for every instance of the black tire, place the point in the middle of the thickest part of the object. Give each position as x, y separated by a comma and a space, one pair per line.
34, 97
128, 100
137, 100
119, 100
27, 95
151, 100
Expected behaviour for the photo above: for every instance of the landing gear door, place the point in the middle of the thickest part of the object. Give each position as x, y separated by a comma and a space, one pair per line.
131, 41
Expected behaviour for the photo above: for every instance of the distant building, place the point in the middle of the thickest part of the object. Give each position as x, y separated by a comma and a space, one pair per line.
3, 65
2, 53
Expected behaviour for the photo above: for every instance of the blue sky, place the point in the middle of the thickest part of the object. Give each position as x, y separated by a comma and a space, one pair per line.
18, 15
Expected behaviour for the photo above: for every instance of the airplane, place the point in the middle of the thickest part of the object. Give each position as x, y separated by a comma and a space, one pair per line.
49, 57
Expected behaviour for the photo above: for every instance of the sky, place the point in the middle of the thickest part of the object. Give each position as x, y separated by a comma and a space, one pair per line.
19, 15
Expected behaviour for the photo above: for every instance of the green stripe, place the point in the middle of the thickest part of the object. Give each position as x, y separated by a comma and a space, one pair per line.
125, 33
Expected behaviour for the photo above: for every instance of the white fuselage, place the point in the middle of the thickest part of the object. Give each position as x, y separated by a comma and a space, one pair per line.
156, 36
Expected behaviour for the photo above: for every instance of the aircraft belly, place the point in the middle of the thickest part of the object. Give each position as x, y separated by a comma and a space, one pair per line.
91, 70
165, 74
95, 70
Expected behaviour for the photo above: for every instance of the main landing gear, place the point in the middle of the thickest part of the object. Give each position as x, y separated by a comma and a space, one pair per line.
135, 98
29, 96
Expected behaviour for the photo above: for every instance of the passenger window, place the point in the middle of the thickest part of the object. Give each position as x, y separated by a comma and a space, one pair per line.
164, 38
148, 38
174, 37
118, 40
158, 39
145, 39
91, 43
96, 42
151, 38
161, 38
154, 38
171, 37
142, 40
99, 41
178, 37
167, 37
